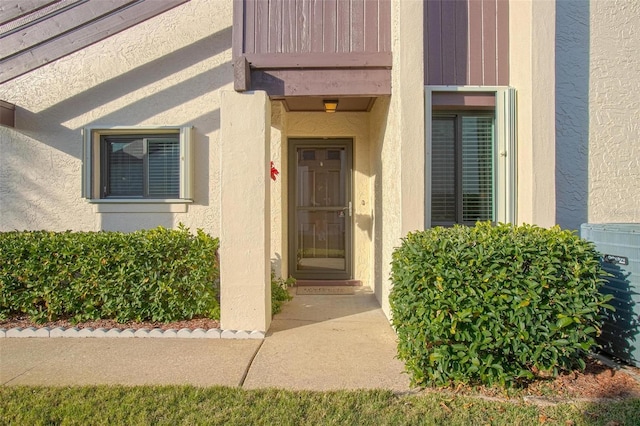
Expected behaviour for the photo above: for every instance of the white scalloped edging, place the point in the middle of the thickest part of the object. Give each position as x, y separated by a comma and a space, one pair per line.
143, 333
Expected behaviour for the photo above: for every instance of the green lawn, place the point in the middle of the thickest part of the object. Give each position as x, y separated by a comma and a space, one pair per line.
171, 405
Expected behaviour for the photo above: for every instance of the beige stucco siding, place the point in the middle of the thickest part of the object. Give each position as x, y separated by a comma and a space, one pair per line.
614, 112
165, 71
532, 73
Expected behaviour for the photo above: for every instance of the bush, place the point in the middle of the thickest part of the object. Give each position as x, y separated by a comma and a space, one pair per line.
494, 304
151, 275
280, 292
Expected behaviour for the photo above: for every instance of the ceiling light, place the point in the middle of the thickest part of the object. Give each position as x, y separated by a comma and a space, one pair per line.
330, 105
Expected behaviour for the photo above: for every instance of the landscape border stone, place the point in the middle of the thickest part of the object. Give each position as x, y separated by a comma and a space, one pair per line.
142, 333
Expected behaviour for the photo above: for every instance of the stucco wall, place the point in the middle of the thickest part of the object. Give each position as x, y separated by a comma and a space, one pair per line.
614, 111
532, 73
165, 71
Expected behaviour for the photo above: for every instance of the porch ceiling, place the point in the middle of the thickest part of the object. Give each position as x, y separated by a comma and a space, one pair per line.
314, 103
34, 33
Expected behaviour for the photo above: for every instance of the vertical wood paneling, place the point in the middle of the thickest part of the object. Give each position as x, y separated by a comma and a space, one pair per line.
314, 26
474, 65
249, 25
384, 26
434, 42
317, 26
448, 41
343, 26
357, 26
330, 25
275, 26
262, 26
462, 41
467, 42
502, 40
303, 44
288, 26
371, 26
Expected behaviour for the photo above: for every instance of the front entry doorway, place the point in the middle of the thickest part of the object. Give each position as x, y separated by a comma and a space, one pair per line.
320, 208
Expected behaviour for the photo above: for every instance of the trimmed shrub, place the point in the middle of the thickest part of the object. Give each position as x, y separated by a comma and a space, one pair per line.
494, 304
151, 275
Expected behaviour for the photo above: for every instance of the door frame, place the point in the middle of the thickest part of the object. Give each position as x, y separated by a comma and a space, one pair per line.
293, 145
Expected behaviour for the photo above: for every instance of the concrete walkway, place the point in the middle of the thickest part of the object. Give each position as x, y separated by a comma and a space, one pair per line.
315, 343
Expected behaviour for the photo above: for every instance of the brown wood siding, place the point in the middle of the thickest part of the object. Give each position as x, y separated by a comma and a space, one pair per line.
312, 47
466, 42
313, 26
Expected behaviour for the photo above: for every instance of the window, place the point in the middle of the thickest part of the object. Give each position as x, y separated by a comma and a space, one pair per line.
137, 164
471, 155
462, 163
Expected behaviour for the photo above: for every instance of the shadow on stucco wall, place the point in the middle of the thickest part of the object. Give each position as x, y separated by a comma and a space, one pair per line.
572, 113
48, 142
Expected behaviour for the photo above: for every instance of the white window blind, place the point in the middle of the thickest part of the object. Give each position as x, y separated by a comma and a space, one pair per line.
164, 167
477, 168
443, 169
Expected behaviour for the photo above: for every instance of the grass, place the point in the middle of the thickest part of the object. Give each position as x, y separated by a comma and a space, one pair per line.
174, 405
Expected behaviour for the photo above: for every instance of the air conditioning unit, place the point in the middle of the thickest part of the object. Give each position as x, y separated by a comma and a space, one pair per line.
619, 246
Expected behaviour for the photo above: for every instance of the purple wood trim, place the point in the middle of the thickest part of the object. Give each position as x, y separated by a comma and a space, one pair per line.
462, 43
303, 30
466, 99
14, 9
433, 44
49, 28
371, 26
288, 26
448, 43
330, 26
489, 42
277, 83
384, 26
502, 39
83, 37
275, 26
249, 26
357, 26
262, 27
343, 26
241, 74
321, 60
238, 30
317, 26
7, 114
475, 43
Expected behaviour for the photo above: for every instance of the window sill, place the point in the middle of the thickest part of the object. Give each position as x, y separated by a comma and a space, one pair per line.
140, 205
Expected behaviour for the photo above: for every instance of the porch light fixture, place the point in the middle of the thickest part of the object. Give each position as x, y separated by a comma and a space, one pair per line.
330, 105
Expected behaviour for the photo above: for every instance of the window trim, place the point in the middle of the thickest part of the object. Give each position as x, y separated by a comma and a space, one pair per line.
93, 154
506, 148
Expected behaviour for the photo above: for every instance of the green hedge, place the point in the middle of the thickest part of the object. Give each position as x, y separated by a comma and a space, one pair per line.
494, 304
150, 275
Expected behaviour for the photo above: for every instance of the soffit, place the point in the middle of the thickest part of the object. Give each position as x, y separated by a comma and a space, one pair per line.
314, 103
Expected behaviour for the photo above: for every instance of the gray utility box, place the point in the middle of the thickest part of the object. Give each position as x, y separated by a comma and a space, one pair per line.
619, 245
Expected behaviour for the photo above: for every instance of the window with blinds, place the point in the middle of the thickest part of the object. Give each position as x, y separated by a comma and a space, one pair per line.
462, 168
139, 166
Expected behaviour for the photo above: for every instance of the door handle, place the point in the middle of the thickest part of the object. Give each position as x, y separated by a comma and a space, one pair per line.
349, 208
